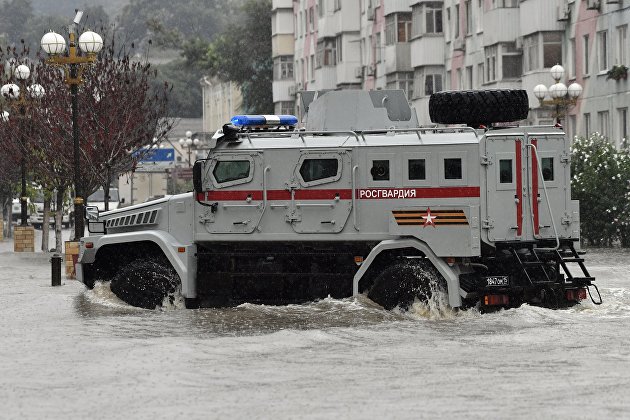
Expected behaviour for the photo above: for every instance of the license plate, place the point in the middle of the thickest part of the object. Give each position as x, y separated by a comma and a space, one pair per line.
497, 281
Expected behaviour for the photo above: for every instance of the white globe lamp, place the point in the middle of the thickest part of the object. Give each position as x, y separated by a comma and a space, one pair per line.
53, 43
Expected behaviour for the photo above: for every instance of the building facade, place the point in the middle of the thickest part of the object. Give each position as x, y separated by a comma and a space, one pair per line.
424, 46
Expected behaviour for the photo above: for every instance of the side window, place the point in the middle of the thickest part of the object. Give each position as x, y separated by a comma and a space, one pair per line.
380, 170
318, 169
505, 171
547, 168
231, 170
452, 168
417, 169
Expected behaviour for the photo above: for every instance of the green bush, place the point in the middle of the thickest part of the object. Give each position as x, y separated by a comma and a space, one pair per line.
601, 181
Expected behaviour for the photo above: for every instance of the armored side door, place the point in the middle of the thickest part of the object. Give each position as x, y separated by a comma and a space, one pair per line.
234, 192
506, 206
551, 170
321, 191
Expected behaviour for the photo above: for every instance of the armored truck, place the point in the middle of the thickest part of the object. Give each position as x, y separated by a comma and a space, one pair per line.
359, 199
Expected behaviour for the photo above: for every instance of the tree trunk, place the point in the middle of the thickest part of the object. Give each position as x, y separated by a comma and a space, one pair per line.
46, 223
59, 220
106, 188
8, 225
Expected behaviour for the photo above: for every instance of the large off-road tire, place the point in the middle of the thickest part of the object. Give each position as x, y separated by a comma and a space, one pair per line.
475, 107
404, 281
145, 283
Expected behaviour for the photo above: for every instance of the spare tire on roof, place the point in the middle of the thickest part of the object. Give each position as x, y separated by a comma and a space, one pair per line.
475, 107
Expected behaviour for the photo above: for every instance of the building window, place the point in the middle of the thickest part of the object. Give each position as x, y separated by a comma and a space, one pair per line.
602, 50
469, 77
312, 67
447, 35
338, 41
326, 52
283, 67
285, 108
456, 22
397, 28
552, 49
530, 49
417, 170
378, 47
311, 19
480, 15
469, 25
504, 3
479, 74
623, 125
401, 80
491, 63
586, 55
337, 5
427, 18
427, 81
603, 123
572, 58
587, 125
622, 42
512, 61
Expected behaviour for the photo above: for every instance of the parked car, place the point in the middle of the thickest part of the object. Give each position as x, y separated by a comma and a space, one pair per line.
98, 199
36, 218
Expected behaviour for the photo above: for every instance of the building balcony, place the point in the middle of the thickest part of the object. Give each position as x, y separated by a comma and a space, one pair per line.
282, 4
397, 57
396, 6
283, 90
501, 25
546, 13
427, 50
325, 78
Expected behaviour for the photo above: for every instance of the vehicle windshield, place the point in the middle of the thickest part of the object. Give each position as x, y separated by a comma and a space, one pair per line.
38, 197
99, 196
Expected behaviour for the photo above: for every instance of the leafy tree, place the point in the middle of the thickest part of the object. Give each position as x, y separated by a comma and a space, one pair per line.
185, 98
601, 181
242, 54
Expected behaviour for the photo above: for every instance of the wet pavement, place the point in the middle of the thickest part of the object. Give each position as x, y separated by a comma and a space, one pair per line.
66, 352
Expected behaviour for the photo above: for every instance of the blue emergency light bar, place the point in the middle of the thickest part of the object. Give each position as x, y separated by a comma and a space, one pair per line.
263, 120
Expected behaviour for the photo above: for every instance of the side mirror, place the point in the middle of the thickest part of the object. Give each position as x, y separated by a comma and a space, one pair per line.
197, 181
122, 200
91, 213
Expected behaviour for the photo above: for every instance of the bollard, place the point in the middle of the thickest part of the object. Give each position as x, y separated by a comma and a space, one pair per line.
55, 263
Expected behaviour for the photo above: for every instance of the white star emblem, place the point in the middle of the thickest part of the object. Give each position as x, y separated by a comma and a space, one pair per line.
428, 219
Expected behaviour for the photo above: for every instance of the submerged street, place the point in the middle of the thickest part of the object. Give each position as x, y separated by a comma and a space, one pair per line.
71, 353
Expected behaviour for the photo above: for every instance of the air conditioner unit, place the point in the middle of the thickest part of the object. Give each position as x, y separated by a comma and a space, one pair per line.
592, 4
563, 13
370, 70
292, 90
459, 44
358, 72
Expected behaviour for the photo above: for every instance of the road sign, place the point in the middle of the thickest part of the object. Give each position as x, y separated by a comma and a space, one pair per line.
156, 159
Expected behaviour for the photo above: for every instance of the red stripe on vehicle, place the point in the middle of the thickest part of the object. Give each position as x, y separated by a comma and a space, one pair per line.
346, 194
535, 185
519, 188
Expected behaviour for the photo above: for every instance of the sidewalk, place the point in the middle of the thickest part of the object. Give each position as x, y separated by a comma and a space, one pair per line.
6, 244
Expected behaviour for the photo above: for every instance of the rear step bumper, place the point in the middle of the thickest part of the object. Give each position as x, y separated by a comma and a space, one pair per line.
533, 273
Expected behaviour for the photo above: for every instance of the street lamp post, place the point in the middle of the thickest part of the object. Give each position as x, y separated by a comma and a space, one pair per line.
189, 143
73, 63
562, 97
19, 100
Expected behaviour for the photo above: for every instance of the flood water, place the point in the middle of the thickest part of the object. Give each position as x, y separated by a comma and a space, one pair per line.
67, 352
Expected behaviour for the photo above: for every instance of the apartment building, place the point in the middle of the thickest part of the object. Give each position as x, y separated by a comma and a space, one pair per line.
424, 46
